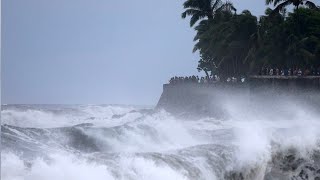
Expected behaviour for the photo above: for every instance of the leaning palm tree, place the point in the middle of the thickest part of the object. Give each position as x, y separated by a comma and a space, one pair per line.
282, 4
200, 9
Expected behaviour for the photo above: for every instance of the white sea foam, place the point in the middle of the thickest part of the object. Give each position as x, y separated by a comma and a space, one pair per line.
66, 166
160, 146
40, 118
59, 167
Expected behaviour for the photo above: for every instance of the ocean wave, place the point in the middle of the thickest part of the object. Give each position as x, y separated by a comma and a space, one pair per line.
141, 144
46, 116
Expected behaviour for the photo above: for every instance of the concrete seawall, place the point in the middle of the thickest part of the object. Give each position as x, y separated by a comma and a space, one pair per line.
207, 99
197, 99
289, 83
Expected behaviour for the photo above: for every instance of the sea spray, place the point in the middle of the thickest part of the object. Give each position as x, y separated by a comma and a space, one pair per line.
270, 139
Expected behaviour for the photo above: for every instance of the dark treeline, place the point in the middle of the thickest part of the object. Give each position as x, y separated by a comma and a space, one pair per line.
233, 44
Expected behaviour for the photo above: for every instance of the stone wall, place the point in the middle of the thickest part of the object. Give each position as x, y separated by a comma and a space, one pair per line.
198, 99
205, 99
288, 83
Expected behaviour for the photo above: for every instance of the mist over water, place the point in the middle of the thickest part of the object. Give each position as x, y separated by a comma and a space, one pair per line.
269, 137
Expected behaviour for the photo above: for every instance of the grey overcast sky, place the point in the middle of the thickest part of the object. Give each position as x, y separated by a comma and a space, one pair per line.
95, 51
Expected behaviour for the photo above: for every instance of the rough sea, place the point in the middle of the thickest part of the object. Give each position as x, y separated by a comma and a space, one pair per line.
115, 142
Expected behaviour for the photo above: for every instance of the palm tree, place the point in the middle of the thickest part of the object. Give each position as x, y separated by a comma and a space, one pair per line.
281, 4
200, 9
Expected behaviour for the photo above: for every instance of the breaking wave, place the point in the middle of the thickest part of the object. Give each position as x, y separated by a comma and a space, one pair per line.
254, 141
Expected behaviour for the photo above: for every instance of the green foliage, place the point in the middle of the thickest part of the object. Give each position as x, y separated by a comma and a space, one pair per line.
236, 44
288, 41
282, 4
224, 42
200, 9
303, 36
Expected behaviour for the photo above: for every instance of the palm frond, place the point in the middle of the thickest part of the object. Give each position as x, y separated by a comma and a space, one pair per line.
216, 4
280, 7
191, 4
228, 7
195, 18
311, 5
268, 2
190, 12
276, 2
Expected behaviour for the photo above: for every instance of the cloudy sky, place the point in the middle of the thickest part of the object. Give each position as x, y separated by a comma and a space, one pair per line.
95, 51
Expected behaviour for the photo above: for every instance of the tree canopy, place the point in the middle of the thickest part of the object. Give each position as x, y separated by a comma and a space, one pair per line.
200, 9
235, 44
281, 4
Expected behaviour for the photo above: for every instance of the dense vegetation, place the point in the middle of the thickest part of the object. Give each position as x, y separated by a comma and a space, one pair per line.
235, 44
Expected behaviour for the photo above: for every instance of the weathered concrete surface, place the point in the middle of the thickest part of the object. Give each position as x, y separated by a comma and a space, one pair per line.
198, 99
206, 99
288, 83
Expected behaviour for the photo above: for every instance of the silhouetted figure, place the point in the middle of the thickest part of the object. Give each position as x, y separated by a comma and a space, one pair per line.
271, 72
299, 73
307, 72
202, 80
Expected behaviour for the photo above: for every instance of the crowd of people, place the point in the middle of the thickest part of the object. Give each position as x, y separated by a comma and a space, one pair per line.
201, 80
265, 71
193, 79
290, 71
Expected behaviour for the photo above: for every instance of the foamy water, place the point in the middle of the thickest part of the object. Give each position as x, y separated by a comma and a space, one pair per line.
254, 141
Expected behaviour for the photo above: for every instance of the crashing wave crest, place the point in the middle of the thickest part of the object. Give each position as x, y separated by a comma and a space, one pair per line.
113, 142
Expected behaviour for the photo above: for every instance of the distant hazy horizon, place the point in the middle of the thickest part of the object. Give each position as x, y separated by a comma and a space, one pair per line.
95, 52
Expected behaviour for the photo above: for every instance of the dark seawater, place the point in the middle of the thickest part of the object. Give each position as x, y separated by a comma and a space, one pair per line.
113, 142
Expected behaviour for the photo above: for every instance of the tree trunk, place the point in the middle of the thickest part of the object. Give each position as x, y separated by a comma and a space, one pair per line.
207, 74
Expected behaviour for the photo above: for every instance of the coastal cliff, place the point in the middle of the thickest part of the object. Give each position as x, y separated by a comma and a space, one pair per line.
207, 99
